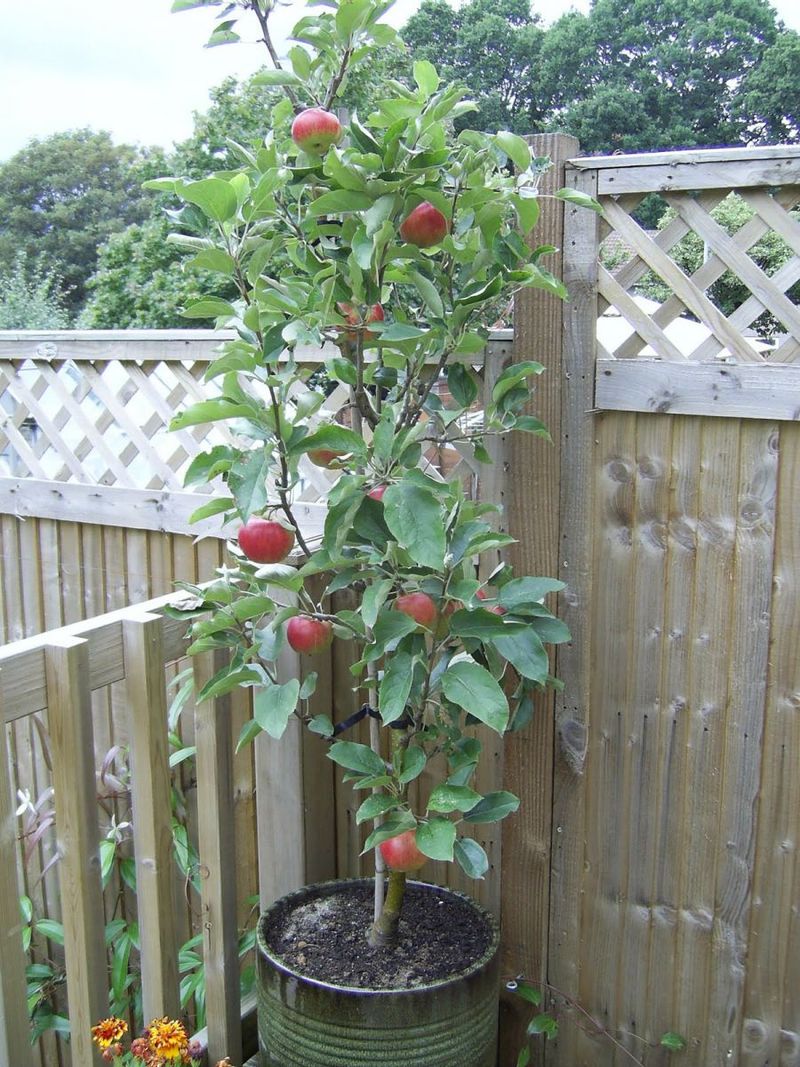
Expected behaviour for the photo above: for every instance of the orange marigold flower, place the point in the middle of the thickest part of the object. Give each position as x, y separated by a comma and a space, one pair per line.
167, 1039
108, 1031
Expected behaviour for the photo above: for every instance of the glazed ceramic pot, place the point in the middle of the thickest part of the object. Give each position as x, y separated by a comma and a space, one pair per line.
306, 1022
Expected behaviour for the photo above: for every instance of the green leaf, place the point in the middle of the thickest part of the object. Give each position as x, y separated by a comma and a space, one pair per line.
355, 757
247, 481
226, 680
429, 293
524, 591
524, 1057
462, 385
395, 824
248, 733
471, 687
493, 807
341, 200
373, 600
277, 77
392, 626
210, 411
517, 150
471, 857
526, 653
208, 308
527, 992
395, 686
527, 208
375, 806
674, 1042
401, 331
214, 196
448, 798
543, 1024
436, 839
413, 764
416, 519
334, 438
512, 375
573, 196
426, 77
322, 725
51, 929
273, 706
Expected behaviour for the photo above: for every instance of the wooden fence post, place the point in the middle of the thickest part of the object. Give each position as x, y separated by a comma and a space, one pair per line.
152, 815
532, 493
217, 866
14, 1028
69, 714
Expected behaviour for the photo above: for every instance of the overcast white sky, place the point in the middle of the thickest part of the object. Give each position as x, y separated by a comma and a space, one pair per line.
132, 67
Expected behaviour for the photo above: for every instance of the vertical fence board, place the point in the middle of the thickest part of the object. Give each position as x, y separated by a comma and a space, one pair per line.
770, 1031
218, 888
531, 496
152, 815
14, 1032
748, 644
69, 704
576, 522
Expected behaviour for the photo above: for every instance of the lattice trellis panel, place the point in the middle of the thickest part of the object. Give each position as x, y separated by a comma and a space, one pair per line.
718, 336
88, 432
662, 342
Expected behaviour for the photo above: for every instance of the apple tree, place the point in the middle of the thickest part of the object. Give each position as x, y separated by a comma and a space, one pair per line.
394, 234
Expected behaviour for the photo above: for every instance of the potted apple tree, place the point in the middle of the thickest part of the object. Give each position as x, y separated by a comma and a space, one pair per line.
385, 238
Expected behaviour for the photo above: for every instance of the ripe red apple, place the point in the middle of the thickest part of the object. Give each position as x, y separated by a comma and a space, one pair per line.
377, 492
353, 318
425, 226
401, 852
496, 609
265, 541
315, 130
305, 634
419, 606
323, 457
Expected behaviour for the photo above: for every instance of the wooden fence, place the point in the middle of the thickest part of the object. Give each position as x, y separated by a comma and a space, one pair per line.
652, 875
674, 877
89, 530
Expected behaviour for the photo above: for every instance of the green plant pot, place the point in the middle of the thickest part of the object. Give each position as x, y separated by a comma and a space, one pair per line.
304, 1022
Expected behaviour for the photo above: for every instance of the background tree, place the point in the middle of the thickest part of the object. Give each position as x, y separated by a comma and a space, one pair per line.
30, 298
61, 197
770, 101
679, 67
630, 75
493, 48
142, 281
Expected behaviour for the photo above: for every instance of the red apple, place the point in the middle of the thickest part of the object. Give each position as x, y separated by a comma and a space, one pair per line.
377, 492
425, 226
305, 634
353, 318
265, 541
419, 606
323, 457
401, 852
496, 609
315, 130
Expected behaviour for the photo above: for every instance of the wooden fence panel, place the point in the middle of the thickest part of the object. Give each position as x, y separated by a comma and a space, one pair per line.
674, 871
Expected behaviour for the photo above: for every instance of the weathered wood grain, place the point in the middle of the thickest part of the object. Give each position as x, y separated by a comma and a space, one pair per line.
726, 390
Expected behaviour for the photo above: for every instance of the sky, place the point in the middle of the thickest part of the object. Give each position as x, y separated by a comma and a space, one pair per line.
135, 69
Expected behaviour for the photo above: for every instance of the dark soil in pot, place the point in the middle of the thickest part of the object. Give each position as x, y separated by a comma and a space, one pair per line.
441, 936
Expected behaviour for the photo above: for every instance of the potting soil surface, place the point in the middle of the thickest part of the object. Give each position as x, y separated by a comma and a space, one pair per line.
326, 938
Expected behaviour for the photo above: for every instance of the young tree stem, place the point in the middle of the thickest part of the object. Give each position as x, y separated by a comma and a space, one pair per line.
383, 933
